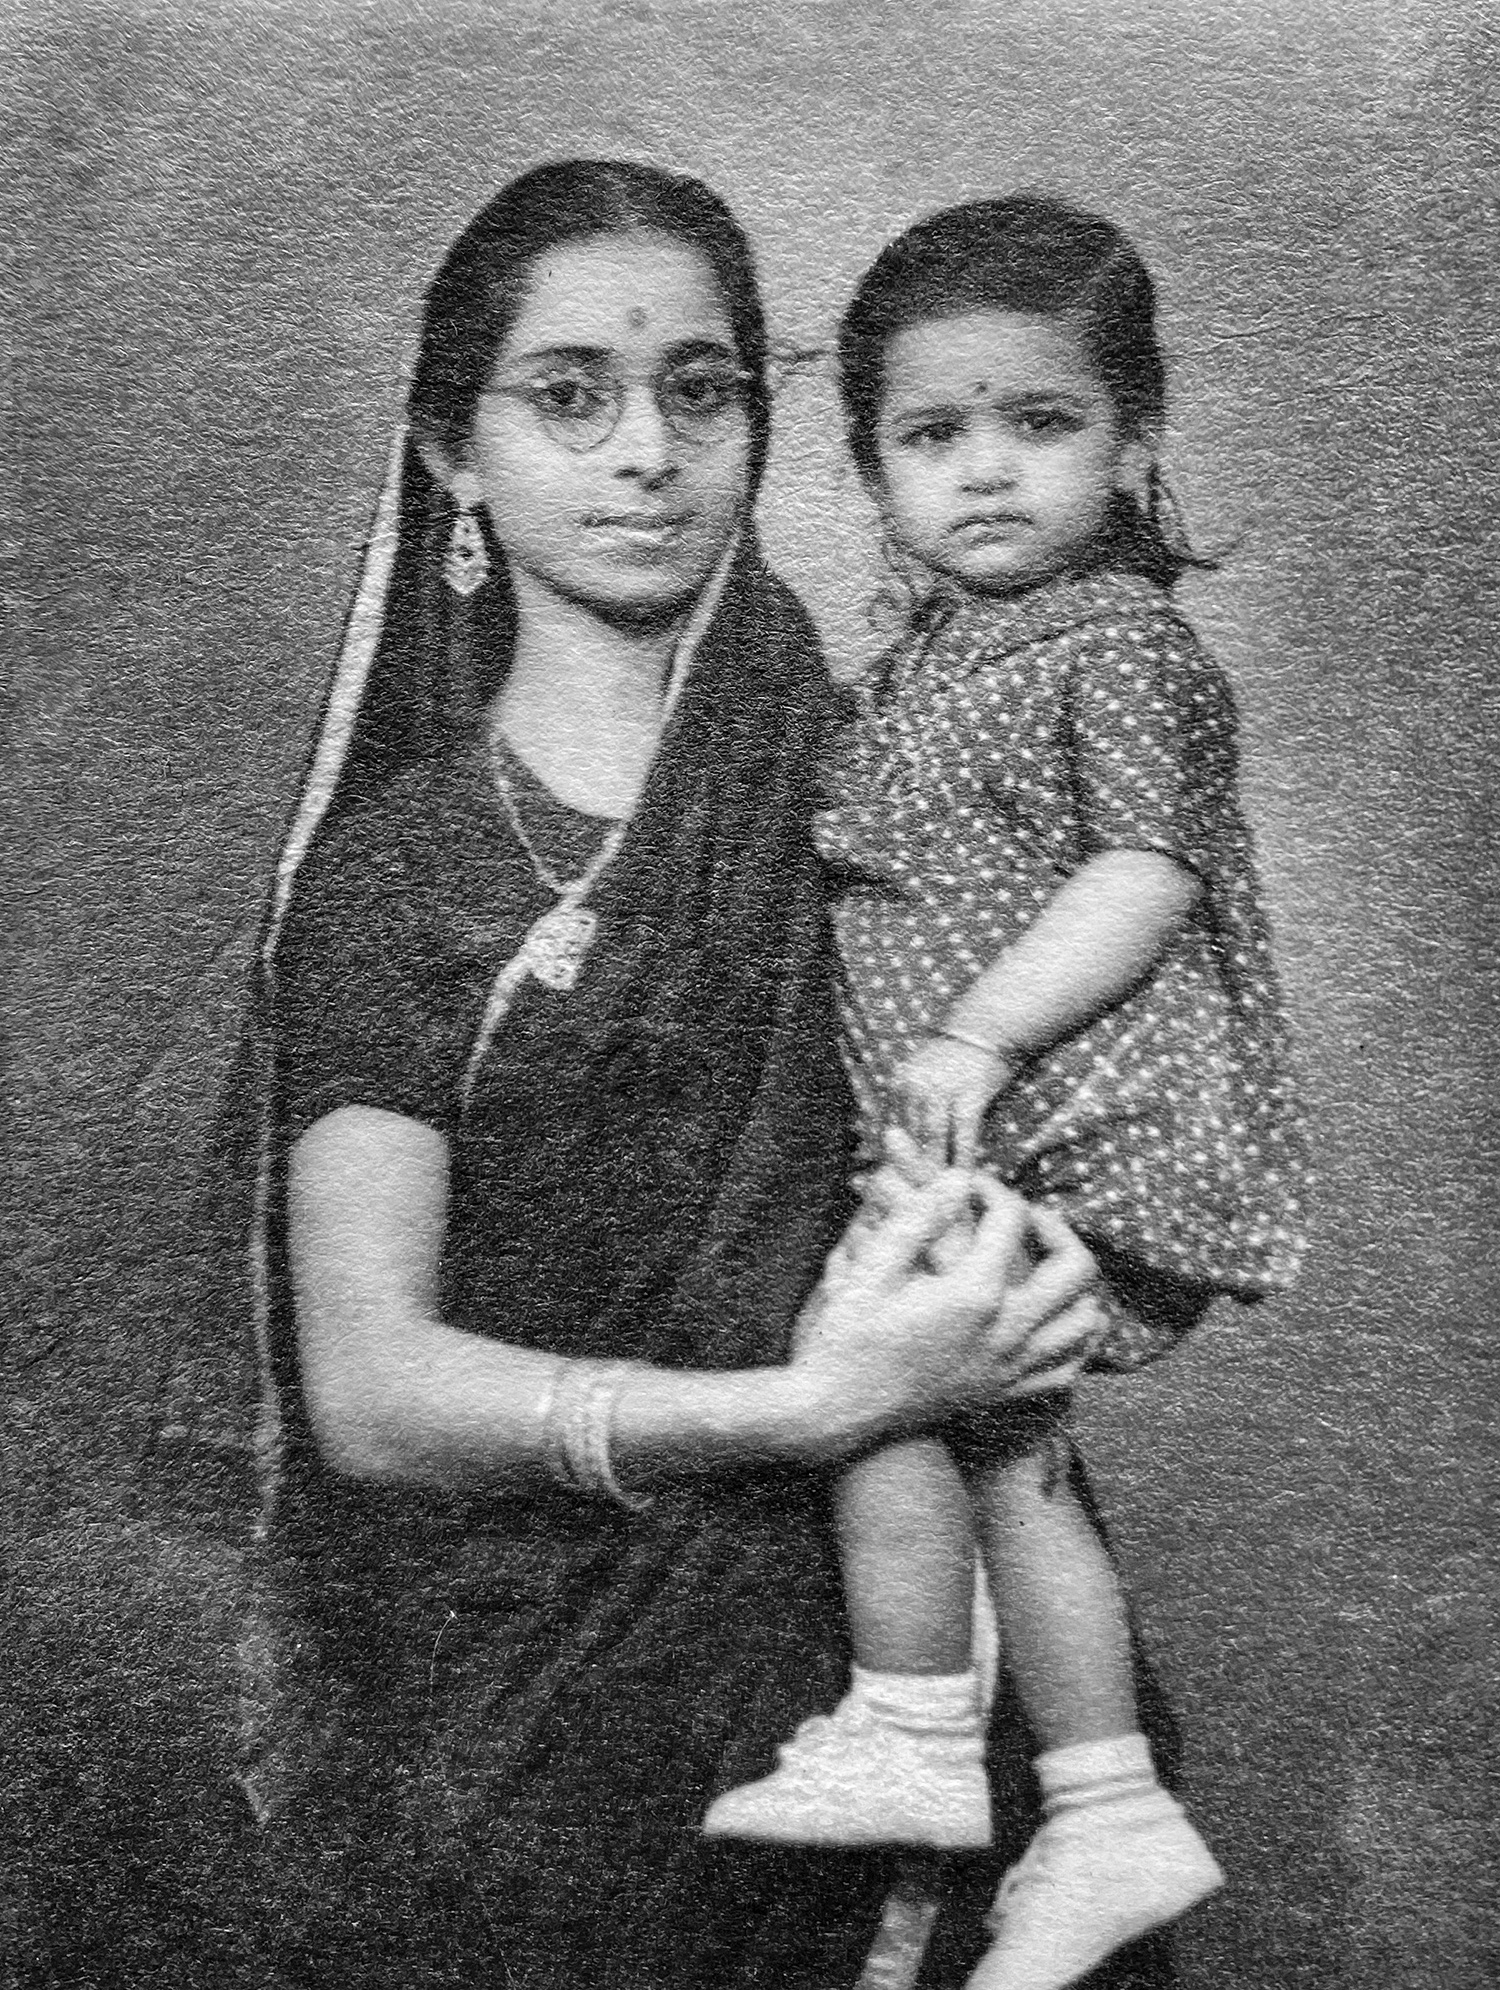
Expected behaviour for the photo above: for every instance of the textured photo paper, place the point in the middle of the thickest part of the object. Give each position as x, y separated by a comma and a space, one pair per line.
220, 227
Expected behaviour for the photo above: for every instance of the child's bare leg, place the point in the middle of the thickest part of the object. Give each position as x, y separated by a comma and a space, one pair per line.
1057, 1595
1115, 1856
901, 1759
906, 1538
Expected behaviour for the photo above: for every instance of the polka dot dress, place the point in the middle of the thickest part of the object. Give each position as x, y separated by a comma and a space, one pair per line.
1002, 745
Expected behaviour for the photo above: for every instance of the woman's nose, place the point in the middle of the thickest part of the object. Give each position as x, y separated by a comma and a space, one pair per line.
643, 444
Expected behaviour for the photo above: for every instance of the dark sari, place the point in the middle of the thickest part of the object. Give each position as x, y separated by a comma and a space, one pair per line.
484, 1728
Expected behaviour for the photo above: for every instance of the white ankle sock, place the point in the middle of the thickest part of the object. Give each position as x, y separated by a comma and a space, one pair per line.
1092, 1772
920, 1702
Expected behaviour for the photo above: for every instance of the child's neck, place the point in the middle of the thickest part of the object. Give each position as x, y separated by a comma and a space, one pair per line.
946, 591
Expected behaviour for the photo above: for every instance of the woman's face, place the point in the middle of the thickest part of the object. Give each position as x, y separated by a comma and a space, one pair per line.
611, 445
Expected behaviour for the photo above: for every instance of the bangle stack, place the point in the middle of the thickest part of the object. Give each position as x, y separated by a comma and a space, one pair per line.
577, 1420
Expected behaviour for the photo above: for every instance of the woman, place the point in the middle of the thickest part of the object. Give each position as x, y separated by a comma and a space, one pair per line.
557, 1145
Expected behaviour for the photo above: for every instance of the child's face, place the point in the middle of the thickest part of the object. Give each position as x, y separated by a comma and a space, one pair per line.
1000, 451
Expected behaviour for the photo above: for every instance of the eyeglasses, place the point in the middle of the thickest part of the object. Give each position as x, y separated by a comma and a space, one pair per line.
579, 402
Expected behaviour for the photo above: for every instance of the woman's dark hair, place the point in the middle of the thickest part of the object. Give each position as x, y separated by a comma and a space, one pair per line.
441, 657
1026, 253
478, 292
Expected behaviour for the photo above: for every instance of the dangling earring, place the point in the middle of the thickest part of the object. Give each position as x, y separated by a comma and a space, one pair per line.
466, 564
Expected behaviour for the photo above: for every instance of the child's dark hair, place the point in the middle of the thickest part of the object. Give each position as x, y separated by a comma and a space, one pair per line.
1026, 253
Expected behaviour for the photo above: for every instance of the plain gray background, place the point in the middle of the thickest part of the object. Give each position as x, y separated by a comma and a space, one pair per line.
219, 224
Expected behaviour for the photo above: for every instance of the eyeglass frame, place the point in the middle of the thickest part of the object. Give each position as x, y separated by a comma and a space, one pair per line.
555, 423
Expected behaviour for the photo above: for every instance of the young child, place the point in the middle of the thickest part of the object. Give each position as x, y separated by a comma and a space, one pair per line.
1057, 968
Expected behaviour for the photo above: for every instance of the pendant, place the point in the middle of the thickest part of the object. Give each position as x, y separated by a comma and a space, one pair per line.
555, 948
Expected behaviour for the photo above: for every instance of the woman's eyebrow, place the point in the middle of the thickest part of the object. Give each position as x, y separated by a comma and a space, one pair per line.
704, 345
572, 355
598, 355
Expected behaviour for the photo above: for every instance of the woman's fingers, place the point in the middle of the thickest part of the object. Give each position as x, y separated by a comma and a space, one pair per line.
1046, 1293
1053, 1231
1070, 1333
913, 1220
1042, 1382
1067, 1266
1001, 1223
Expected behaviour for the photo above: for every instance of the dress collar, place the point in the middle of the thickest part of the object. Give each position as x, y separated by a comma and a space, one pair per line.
978, 627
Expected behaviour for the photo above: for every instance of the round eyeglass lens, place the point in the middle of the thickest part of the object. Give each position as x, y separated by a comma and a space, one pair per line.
580, 407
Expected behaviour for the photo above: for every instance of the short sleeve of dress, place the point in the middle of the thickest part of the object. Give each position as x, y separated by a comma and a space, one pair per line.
362, 1008
1152, 740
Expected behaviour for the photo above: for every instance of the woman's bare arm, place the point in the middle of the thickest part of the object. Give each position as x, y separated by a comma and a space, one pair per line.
396, 1396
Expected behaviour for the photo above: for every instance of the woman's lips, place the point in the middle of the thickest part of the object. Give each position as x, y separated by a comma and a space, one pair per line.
637, 528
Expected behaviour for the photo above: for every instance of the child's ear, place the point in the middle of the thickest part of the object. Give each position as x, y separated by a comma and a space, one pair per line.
1133, 467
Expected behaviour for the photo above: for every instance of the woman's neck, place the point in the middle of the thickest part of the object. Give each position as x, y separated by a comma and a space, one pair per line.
582, 704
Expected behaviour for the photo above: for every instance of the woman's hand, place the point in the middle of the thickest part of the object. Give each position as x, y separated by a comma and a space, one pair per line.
943, 1091
1056, 1321
911, 1343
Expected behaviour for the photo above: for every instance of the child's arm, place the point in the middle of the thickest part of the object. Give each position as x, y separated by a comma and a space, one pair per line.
1102, 933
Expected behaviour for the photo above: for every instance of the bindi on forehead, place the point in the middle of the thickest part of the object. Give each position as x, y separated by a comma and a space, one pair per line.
637, 318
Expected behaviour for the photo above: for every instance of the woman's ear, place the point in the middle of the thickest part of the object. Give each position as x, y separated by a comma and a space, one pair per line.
455, 476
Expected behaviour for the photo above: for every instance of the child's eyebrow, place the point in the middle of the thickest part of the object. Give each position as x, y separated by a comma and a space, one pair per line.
1051, 397
928, 410
1021, 397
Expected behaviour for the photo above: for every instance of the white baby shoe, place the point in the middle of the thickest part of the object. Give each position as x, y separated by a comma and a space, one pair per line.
851, 1778
1094, 1878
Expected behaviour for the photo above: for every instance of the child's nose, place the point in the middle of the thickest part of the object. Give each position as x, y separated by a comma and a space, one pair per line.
991, 459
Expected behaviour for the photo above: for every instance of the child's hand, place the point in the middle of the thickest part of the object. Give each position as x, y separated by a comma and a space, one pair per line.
887, 1196
943, 1091
904, 1163
903, 1177
905, 1172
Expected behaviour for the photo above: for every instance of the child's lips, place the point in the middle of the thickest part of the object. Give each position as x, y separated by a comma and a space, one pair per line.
990, 525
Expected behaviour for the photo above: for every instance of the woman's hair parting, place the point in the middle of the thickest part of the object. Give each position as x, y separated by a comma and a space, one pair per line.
1034, 254
478, 292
